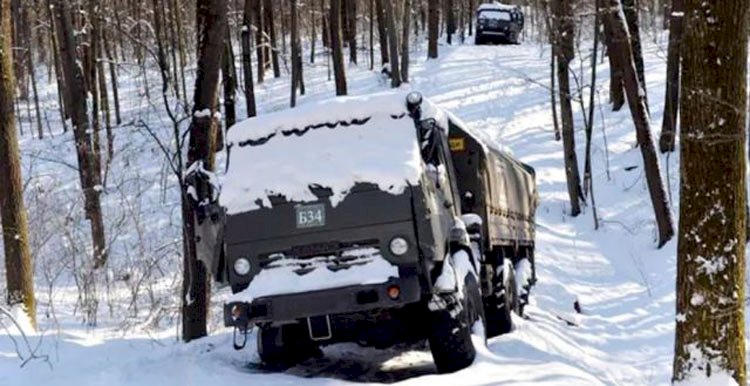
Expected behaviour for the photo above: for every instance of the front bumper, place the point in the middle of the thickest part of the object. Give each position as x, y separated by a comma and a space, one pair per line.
291, 307
493, 33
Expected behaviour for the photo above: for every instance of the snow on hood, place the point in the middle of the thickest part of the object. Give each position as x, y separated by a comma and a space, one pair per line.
281, 278
334, 143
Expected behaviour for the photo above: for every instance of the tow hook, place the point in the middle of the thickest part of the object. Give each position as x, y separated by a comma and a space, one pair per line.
239, 333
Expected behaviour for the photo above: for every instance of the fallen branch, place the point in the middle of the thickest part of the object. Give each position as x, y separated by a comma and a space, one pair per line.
32, 351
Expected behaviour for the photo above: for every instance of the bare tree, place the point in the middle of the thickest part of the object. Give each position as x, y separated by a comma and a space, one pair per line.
350, 12
19, 272
211, 26
433, 24
270, 24
405, 41
616, 89
710, 328
638, 109
630, 8
77, 108
229, 83
296, 54
672, 92
260, 44
247, 62
390, 22
382, 33
338, 56
450, 20
564, 39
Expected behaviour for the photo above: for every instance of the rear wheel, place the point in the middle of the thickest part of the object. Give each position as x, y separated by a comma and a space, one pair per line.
502, 303
451, 328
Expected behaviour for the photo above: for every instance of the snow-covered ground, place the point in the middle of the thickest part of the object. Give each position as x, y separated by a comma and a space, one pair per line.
624, 285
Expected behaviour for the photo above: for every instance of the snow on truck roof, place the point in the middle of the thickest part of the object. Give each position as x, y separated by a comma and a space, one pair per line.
334, 143
497, 7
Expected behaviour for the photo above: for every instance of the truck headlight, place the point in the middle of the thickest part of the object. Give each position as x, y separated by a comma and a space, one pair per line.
399, 246
242, 266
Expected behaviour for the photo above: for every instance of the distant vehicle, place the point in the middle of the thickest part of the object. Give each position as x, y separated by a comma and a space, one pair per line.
499, 22
377, 220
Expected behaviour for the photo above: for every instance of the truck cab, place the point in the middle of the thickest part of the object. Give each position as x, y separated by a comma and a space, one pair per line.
375, 220
499, 22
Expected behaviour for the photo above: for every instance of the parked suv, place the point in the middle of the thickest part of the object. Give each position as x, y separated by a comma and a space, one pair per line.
499, 22
377, 220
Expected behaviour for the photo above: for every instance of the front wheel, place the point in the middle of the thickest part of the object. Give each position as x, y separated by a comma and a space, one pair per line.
451, 327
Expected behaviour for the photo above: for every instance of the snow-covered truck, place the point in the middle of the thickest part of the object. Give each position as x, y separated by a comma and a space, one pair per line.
499, 22
378, 220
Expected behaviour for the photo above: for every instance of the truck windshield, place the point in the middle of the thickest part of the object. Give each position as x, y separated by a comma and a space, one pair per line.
495, 15
380, 149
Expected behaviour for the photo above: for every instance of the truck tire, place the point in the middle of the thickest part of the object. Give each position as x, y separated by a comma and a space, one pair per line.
450, 328
280, 347
500, 305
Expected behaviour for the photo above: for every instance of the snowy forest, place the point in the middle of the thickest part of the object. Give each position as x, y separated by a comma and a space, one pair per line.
342, 192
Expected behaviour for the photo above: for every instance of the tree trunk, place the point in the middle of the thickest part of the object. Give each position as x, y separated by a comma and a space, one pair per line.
19, 272
433, 22
565, 53
616, 90
270, 22
313, 34
372, 35
405, 41
29, 53
338, 56
113, 80
638, 109
672, 93
392, 44
382, 33
91, 54
229, 84
350, 7
247, 60
211, 26
260, 52
104, 102
710, 331
76, 107
631, 16
450, 21
588, 181
295, 53
470, 12
62, 91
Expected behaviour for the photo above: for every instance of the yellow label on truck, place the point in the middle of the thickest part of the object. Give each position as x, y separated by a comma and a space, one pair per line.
457, 144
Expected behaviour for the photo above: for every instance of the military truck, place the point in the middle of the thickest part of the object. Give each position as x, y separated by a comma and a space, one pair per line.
377, 220
499, 22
